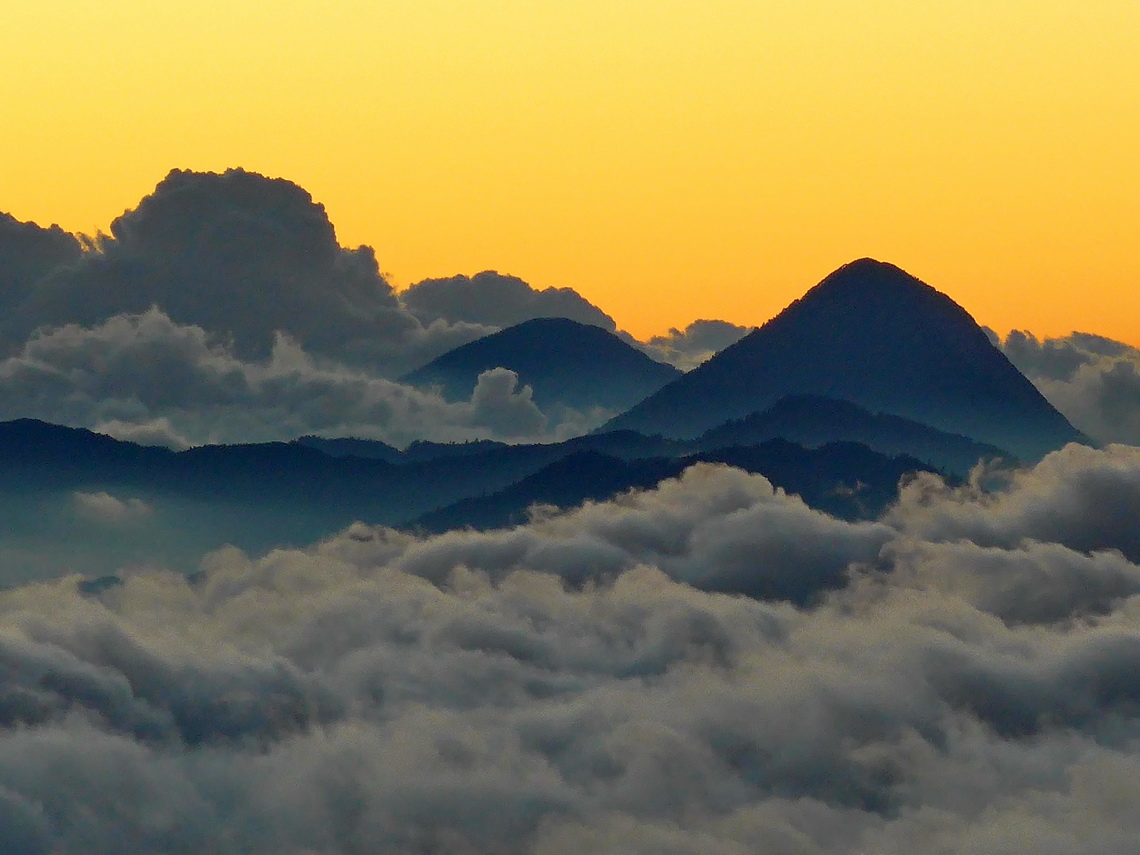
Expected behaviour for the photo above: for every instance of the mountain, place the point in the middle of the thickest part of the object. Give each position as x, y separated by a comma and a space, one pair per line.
71, 498
812, 421
563, 361
873, 335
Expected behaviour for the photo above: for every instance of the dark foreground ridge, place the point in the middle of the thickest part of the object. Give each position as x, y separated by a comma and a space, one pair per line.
873, 335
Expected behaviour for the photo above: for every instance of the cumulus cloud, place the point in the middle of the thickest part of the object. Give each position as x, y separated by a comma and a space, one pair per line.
688, 348
1094, 381
491, 299
589, 681
145, 377
245, 257
28, 253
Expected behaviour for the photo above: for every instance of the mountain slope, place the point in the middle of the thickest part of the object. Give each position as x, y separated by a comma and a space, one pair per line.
563, 361
874, 335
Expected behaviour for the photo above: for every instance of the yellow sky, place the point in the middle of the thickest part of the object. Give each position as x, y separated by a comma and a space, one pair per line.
669, 160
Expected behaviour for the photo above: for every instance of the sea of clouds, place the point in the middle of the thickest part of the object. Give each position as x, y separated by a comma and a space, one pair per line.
709, 666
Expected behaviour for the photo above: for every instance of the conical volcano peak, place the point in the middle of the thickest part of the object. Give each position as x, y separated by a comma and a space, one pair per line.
867, 280
871, 306
873, 335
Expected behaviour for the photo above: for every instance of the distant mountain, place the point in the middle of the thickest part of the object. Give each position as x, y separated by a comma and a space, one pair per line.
420, 451
563, 361
813, 421
77, 499
848, 480
874, 335
370, 449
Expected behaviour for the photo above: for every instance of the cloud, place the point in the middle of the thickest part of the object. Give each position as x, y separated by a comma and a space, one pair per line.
491, 299
146, 377
28, 253
1082, 498
244, 257
104, 508
1094, 381
244, 268
588, 681
688, 348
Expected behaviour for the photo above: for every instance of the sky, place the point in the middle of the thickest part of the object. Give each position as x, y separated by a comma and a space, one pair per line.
668, 160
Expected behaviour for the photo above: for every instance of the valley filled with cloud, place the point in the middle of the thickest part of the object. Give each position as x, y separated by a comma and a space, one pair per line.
956, 677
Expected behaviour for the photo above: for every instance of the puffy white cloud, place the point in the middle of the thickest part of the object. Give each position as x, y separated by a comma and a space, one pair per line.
563, 686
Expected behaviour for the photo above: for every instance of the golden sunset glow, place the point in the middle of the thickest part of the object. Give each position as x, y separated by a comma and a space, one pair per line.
668, 160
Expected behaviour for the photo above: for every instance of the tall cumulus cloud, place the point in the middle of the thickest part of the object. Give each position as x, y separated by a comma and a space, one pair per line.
245, 257
594, 681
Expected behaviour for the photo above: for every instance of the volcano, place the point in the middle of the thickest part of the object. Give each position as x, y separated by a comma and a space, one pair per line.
563, 361
872, 334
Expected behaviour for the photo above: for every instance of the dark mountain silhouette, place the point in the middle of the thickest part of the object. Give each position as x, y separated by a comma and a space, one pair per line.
874, 335
352, 447
259, 496
812, 421
563, 361
420, 451
848, 480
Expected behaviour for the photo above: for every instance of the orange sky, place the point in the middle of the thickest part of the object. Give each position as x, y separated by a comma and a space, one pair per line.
669, 160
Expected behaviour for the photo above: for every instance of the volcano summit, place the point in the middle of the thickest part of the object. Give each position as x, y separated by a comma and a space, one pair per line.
874, 335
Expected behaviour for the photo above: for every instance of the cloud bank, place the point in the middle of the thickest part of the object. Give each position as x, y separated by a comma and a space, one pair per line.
247, 258
696, 343
222, 308
1094, 381
491, 299
592, 682
146, 378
